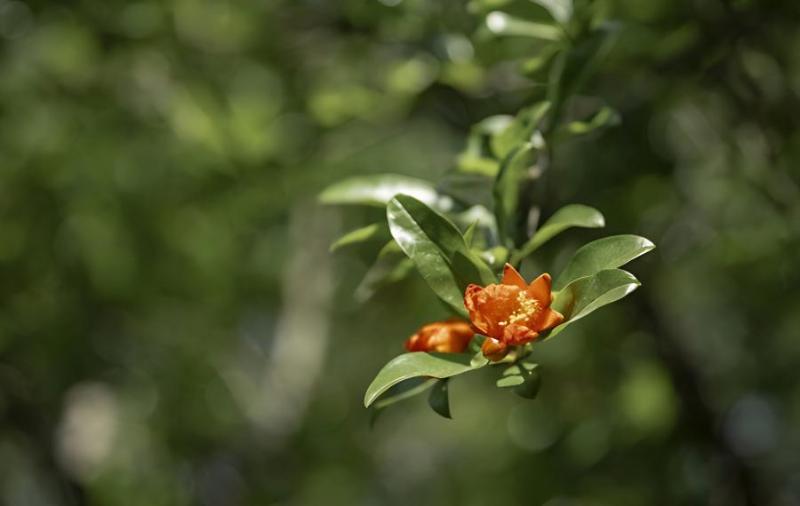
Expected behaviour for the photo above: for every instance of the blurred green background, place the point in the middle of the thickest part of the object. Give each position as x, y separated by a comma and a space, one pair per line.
173, 330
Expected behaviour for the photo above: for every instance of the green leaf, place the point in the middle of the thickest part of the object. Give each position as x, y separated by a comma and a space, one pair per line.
491, 125
416, 364
476, 157
377, 190
519, 131
587, 294
399, 392
404, 390
516, 168
500, 23
523, 377
605, 117
469, 233
437, 249
582, 60
538, 62
439, 399
606, 253
482, 165
561, 10
390, 266
573, 215
359, 235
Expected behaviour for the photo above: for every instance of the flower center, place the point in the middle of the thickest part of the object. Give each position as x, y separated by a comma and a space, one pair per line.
525, 310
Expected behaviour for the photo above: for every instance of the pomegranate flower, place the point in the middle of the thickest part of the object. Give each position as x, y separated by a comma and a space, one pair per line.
511, 313
450, 336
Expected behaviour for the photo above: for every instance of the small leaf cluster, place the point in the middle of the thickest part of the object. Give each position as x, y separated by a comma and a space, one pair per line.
453, 239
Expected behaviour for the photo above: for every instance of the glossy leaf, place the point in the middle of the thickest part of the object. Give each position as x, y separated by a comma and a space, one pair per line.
517, 167
437, 249
587, 294
606, 253
416, 364
378, 190
371, 232
439, 399
500, 23
573, 215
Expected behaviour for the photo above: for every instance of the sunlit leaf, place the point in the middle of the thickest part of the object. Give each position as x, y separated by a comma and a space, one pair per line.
375, 231
475, 158
378, 190
416, 364
492, 124
573, 215
606, 253
520, 131
437, 249
534, 64
583, 296
500, 23
477, 164
439, 399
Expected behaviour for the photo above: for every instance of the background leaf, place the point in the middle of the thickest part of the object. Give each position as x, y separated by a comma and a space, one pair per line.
390, 266
412, 365
587, 294
500, 23
573, 215
378, 190
561, 10
516, 168
520, 130
606, 253
439, 399
605, 117
375, 231
523, 377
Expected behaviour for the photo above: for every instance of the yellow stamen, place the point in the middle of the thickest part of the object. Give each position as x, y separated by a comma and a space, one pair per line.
526, 310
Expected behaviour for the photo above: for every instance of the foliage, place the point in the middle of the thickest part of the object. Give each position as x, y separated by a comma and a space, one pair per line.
515, 155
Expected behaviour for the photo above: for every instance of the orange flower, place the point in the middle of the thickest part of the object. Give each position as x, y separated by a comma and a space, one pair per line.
450, 336
511, 313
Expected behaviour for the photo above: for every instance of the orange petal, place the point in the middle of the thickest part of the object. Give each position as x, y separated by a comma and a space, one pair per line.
494, 349
413, 343
539, 289
471, 295
512, 277
550, 318
516, 334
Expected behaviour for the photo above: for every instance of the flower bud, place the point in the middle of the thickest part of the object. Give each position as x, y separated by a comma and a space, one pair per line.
450, 336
